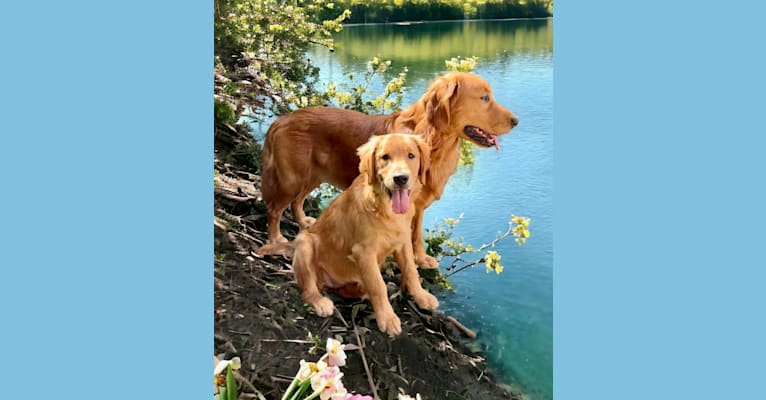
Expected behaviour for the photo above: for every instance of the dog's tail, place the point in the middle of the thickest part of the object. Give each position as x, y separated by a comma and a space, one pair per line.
286, 249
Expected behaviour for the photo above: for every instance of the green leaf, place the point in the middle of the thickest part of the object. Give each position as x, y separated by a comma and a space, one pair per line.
302, 389
231, 385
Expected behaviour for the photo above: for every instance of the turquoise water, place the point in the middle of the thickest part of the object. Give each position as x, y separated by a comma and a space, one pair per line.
512, 312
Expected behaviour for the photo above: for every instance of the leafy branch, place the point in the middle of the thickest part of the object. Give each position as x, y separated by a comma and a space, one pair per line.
440, 244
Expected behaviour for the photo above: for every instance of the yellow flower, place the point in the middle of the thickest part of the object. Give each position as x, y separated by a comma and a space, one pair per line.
521, 221
451, 222
521, 230
378, 103
344, 98
492, 262
458, 64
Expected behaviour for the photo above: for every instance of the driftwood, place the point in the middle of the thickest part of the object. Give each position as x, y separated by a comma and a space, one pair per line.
471, 334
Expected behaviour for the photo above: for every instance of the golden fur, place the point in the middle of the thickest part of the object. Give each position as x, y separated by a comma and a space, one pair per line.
344, 249
314, 145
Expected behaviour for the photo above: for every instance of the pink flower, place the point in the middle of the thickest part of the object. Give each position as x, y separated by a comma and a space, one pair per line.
340, 392
327, 383
357, 397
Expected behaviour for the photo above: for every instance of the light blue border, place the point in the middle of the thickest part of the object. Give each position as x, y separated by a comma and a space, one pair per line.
659, 172
107, 245
106, 214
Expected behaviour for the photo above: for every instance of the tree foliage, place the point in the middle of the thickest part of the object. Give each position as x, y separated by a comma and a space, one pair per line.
261, 46
432, 10
356, 94
260, 50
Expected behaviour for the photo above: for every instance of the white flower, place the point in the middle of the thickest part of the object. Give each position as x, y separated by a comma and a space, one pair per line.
309, 369
335, 353
235, 362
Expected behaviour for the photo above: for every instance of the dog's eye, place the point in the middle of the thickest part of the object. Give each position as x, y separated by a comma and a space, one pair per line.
411, 156
385, 157
486, 98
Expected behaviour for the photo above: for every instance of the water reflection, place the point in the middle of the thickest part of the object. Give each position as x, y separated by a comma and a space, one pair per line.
423, 47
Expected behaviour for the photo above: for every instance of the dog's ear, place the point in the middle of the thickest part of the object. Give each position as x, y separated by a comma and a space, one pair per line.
366, 154
425, 158
443, 92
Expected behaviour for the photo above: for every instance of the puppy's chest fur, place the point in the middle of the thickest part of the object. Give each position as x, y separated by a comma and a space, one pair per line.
349, 225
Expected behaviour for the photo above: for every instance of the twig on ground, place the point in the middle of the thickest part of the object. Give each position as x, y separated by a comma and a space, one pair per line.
288, 341
424, 317
258, 396
248, 237
232, 196
241, 379
283, 377
360, 343
227, 342
340, 317
277, 378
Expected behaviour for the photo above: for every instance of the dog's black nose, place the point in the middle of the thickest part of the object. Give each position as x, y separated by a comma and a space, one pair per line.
514, 121
401, 180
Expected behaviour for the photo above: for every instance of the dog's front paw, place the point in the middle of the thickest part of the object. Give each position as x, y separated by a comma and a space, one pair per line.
324, 307
307, 222
426, 300
389, 323
426, 262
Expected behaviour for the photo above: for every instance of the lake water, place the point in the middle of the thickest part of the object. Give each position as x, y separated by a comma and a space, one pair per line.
512, 312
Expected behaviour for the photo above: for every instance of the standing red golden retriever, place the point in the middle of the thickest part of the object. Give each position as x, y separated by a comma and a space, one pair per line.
344, 248
314, 145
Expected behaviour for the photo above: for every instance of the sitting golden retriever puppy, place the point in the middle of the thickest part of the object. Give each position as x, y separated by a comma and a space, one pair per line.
344, 249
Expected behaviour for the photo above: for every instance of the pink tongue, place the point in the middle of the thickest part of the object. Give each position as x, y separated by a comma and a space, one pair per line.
497, 142
400, 200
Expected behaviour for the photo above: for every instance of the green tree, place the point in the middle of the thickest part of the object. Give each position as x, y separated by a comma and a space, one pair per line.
260, 52
428, 10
